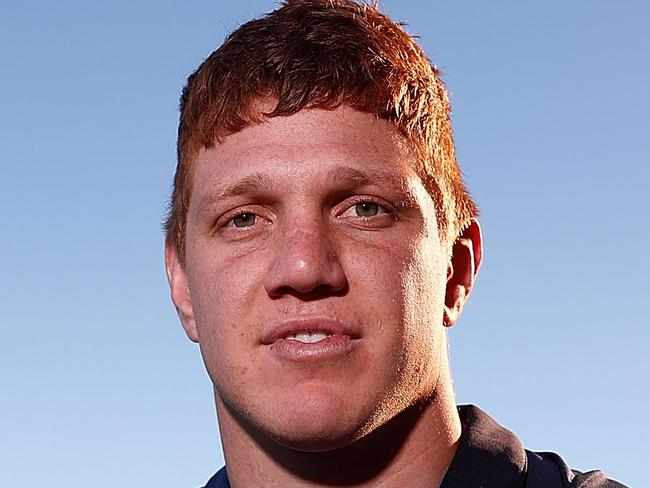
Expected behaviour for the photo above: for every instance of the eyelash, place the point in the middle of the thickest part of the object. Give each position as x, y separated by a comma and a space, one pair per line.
229, 219
384, 210
383, 207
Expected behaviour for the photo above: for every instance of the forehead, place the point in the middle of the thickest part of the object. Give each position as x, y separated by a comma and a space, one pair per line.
309, 142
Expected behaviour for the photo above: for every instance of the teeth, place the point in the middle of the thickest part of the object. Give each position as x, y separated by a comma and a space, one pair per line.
308, 337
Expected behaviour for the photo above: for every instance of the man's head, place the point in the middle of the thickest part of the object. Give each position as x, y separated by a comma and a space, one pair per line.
322, 54
320, 237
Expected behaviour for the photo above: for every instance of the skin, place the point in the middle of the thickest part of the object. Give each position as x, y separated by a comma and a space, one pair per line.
319, 218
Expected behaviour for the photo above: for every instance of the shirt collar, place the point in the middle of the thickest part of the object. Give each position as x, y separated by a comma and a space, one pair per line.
489, 455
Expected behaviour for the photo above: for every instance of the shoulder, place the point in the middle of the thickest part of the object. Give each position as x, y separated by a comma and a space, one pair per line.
548, 469
219, 480
491, 456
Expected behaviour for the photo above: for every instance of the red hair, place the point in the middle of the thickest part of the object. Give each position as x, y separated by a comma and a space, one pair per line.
322, 54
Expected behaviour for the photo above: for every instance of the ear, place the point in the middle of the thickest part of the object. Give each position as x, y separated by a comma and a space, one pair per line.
466, 257
177, 278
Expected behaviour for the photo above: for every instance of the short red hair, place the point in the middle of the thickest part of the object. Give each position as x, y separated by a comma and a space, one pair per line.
322, 54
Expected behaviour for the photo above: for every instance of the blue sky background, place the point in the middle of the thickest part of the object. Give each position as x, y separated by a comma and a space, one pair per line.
552, 117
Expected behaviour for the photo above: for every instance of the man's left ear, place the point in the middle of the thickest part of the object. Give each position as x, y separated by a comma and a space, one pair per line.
466, 257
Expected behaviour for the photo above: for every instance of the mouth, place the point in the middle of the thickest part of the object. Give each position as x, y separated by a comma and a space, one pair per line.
308, 330
311, 339
307, 337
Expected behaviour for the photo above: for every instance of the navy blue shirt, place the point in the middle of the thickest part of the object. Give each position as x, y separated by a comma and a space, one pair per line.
490, 456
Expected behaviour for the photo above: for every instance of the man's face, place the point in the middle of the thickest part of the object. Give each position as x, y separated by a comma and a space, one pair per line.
314, 278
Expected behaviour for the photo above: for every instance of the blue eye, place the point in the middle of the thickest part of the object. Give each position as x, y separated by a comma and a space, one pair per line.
245, 219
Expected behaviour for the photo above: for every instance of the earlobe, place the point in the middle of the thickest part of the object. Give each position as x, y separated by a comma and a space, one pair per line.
178, 284
466, 258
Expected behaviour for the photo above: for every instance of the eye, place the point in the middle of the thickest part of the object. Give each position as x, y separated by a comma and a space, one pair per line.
365, 209
244, 219
368, 209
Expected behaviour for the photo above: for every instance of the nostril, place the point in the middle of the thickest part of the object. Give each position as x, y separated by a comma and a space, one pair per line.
318, 293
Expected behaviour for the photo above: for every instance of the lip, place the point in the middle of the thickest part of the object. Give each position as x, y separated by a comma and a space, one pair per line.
326, 325
342, 340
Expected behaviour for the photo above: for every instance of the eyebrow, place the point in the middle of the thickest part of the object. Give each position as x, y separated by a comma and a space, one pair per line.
249, 184
260, 182
355, 177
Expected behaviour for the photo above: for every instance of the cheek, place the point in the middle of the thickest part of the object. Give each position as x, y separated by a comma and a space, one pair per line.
424, 282
224, 292
223, 287
408, 275
424, 295
403, 287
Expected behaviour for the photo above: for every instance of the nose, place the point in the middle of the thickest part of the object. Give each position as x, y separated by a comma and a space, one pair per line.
306, 264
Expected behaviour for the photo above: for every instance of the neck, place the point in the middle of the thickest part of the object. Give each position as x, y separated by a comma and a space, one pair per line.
413, 449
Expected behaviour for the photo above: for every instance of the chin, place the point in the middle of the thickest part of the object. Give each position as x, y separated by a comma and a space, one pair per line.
317, 425
332, 430
314, 440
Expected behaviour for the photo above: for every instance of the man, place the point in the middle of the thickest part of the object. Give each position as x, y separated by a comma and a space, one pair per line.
320, 242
